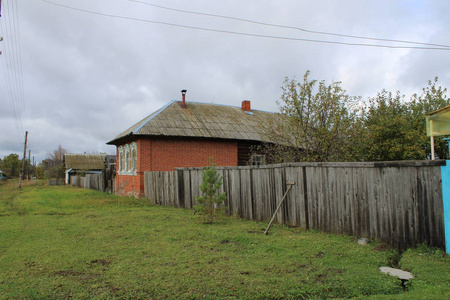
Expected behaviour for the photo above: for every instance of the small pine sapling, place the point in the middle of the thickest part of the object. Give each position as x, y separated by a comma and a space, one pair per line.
209, 202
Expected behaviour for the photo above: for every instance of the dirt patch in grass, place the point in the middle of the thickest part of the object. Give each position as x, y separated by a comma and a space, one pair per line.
30, 264
102, 262
256, 231
381, 247
338, 271
320, 254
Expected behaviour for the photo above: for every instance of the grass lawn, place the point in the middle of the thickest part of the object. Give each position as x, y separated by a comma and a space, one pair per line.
61, 242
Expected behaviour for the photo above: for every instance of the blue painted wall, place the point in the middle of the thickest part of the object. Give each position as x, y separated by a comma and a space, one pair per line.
445, 172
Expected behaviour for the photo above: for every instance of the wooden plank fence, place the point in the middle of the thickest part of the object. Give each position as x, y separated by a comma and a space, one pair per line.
399, 203
104, 181
89, 181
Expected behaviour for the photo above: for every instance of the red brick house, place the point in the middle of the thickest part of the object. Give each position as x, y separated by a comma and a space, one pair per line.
186, 134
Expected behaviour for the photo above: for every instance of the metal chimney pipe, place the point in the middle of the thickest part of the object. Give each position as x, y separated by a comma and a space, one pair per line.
183, 102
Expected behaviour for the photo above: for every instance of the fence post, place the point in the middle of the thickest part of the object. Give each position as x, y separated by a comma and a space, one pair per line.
445, 173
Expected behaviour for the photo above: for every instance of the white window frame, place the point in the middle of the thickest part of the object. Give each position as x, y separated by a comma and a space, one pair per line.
120, 158
128, 159
133, 150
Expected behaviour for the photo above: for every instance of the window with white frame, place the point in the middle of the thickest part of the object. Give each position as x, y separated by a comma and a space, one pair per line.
120, 158
133, 148
128, 159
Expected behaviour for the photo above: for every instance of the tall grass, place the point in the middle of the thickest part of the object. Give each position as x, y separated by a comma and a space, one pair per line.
63, 242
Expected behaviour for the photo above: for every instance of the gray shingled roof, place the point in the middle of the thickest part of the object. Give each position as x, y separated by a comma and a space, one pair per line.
201, 120
84, 161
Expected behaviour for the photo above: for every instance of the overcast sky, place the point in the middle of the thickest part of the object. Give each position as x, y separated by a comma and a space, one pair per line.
79, 76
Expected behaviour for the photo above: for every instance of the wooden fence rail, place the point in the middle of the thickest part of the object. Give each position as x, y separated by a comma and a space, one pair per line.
399, 203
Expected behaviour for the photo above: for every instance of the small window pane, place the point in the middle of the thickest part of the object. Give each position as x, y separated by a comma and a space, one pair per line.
134, 157
258, 160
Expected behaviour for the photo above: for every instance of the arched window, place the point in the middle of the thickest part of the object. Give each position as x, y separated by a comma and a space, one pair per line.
126, 159
133, 147
120, 158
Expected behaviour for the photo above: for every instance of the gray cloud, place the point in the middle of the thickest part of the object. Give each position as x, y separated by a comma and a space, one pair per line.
87, 77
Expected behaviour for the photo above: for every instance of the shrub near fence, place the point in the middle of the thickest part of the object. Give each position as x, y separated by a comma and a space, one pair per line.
399, 203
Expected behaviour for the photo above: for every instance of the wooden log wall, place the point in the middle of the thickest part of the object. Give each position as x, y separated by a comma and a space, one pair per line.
399, 203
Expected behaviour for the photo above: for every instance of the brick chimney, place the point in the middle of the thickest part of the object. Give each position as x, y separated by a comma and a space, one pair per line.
183, 101
246, 105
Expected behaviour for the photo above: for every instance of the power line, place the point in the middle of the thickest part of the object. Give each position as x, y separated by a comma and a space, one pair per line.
19, 58
288, 27
12, 64
243, 33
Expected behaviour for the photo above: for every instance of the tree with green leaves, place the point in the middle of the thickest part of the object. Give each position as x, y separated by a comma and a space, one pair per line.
319, 122
314, 124
10, 165
385, 126
394, 129
433, 97
210, 202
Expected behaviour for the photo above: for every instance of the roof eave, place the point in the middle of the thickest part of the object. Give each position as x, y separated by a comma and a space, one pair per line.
121, 139
439, 111
131, 137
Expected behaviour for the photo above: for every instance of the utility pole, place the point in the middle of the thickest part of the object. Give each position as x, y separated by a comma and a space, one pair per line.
23, 160
33, 168
29, 165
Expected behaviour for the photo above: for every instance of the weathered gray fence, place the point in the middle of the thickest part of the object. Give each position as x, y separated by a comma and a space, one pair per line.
104, 181
399, 203
89, 181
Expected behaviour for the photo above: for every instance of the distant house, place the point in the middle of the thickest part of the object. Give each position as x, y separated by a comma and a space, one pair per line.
184, 134
81, 164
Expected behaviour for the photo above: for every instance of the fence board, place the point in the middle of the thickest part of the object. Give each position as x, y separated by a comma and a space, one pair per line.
234, 192
187, 189
295, 199
246, 194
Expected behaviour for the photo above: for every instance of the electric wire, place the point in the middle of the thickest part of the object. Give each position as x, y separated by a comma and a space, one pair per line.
17, 59
6, 58
243, 33
288, 27
11, 62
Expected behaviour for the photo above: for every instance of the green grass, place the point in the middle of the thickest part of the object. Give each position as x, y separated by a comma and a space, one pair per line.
59, 242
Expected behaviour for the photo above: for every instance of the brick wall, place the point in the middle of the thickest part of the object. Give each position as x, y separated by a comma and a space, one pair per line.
166, 154
130, 185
